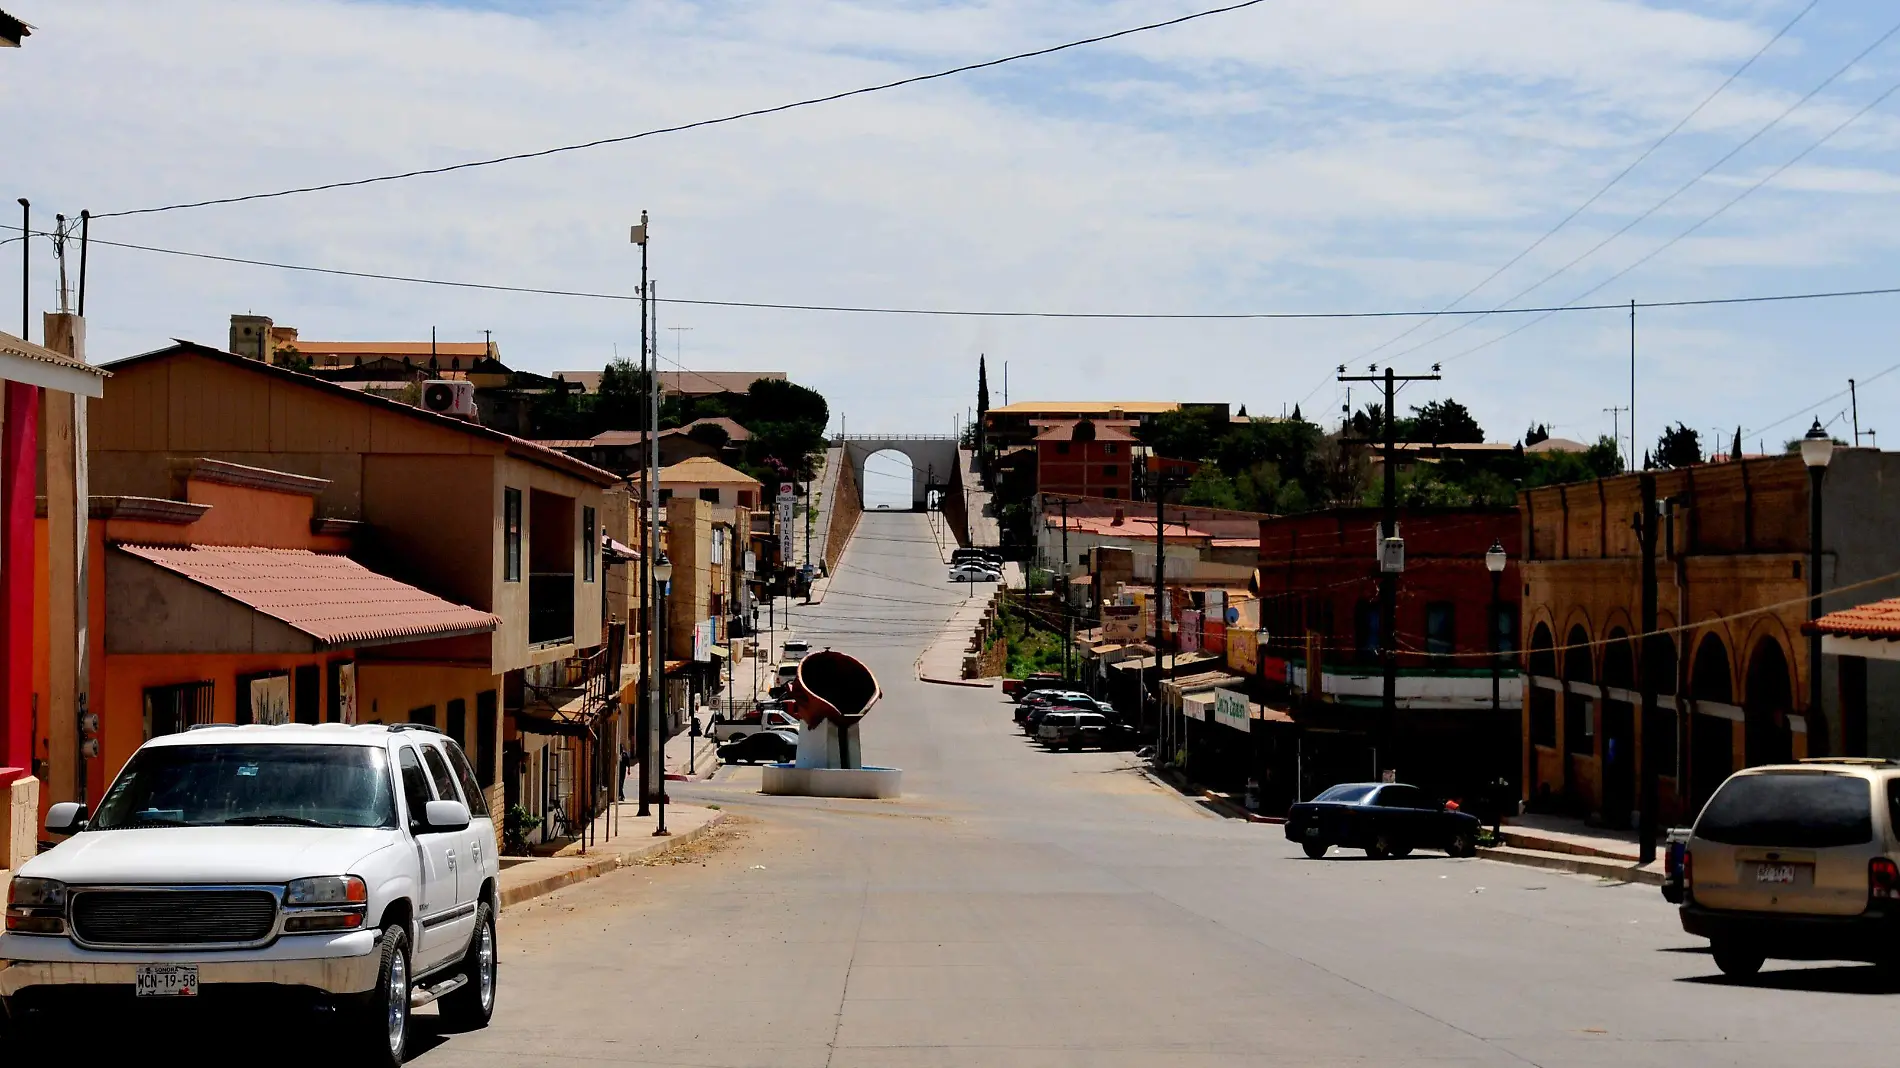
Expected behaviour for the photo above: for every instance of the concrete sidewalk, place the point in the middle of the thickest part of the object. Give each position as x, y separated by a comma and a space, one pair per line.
942, 661
1561, 844
523, 879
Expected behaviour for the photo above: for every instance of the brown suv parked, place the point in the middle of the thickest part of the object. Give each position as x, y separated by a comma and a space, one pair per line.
1798, 862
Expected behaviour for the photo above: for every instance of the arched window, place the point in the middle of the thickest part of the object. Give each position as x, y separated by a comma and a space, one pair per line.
1711, 736
1579, 721
1543, 664
1767, 702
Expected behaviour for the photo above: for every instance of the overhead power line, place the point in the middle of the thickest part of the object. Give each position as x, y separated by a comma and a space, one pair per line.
1698, 224
1679, 190
857, 309
696, 124
1607, 186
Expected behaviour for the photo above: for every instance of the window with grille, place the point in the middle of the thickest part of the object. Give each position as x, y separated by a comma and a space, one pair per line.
511, 535
171, 709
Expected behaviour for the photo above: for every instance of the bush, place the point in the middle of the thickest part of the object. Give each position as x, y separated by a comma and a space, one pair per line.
516, 826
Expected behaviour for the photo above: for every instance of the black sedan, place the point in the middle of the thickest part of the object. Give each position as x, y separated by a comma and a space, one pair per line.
771, 747
1384, 819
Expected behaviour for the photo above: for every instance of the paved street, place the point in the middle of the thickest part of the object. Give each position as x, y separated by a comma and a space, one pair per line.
1026, 908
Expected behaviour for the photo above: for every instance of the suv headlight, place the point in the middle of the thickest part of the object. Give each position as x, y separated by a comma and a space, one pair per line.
325, 903
36, 906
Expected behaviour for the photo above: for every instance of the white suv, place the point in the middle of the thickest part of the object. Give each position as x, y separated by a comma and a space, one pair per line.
352, 866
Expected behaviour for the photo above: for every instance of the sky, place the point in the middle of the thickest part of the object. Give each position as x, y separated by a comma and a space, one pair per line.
1296, 156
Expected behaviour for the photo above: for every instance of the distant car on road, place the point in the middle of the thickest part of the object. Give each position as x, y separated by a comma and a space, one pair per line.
1017, 689
973, 573
769, 746
1384, 819
1073, 730
795, 649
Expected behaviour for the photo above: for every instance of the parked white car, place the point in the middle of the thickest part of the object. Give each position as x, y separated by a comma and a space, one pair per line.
973, 573
349, 865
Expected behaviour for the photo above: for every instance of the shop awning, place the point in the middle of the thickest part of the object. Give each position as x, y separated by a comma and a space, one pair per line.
617, 549
561, 724
233, 598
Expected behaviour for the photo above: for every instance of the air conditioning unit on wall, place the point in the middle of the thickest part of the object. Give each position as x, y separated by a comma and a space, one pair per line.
449, 397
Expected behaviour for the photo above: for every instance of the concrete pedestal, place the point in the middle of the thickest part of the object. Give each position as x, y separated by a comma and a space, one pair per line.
869, 783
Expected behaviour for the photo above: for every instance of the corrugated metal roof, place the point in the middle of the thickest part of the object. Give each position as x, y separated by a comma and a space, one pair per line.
1879, 619
333, 599
14, 346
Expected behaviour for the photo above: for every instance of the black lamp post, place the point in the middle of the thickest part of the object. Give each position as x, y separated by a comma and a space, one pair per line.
1494, 561
663, 575
1817, 449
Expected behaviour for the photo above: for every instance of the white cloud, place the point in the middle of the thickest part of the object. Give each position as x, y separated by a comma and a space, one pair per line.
1300, 154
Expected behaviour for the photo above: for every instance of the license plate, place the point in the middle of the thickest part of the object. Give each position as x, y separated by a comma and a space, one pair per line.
1312, 832
1774, 873
167, 981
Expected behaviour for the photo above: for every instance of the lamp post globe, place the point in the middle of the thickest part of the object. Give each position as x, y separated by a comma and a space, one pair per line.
1817, 446
1495, 558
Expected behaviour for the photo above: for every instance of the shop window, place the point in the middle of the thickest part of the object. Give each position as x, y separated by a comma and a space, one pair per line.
171, 709
486, 722
263, 697
1440, 628
1504, 628
1111, 470
458, 721
1365, 629
511, 535
590, 545
307, 692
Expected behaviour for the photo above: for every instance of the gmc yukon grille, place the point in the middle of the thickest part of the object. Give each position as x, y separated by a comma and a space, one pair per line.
172, 917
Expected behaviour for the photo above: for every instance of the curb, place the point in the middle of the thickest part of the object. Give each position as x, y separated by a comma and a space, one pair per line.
1578, 865
986, 684
599, 865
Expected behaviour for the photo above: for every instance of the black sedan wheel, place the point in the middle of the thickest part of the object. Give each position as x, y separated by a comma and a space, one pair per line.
1462, 844
1381, 847
1314, 850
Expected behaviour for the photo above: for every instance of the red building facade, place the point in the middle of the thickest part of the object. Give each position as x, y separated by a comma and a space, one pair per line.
1085, 457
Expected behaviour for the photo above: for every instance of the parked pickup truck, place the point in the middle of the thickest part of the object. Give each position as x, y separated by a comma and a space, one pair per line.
332, 865
1014, 689
759, 719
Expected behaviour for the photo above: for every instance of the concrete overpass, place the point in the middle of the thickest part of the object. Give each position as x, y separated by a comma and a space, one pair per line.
933, 461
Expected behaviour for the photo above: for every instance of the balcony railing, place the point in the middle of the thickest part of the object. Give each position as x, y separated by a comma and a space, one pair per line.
550, 609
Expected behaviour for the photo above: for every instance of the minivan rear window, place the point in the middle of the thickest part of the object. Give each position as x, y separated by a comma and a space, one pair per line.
1805, 810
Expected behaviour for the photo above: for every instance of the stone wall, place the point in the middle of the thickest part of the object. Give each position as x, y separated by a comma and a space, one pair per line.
846, 507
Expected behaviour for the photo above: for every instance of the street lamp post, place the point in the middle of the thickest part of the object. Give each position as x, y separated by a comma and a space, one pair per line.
1494, 561
1817, 449
663, 577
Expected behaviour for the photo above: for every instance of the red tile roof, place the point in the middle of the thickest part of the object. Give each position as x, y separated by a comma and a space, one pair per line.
333, 599
1879, 619
1064, 429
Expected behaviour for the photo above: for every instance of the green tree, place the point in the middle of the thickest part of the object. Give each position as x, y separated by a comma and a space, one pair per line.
1538, 432
1443, 423
1678, 446
1209, 488
620, 402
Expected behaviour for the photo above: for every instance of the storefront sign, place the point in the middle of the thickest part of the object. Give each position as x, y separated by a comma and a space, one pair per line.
1243, 649
1230, 708
1121, 623
703, 640
270, 699
1190, 636
346, 692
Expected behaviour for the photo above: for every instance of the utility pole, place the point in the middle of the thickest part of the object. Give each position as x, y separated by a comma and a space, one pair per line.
1391, 555
1616, 433
1632, 408
1161, 556
656, 736
1068, 620
1649, 657
644, 711
1853, 400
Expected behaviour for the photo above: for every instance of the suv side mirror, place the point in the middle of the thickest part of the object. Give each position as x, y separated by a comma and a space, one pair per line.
67, 817
444, 816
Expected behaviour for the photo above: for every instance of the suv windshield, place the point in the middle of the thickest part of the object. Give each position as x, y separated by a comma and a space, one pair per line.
1797, 809
235, 785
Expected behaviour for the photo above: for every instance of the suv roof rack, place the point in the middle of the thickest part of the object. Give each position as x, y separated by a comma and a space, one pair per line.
202, 726
1863, 761
394, 727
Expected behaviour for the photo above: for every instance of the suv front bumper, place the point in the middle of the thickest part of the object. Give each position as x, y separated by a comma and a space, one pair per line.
333, 964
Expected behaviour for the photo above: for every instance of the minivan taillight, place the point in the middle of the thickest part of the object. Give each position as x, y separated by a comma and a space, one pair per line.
1883, 879
1688, 867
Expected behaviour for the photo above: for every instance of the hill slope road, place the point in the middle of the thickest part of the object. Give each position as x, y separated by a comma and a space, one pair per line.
1027, 908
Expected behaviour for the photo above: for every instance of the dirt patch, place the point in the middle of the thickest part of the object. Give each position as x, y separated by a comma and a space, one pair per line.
727, 833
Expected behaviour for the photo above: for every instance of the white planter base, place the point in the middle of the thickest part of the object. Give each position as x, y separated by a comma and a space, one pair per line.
869, 783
